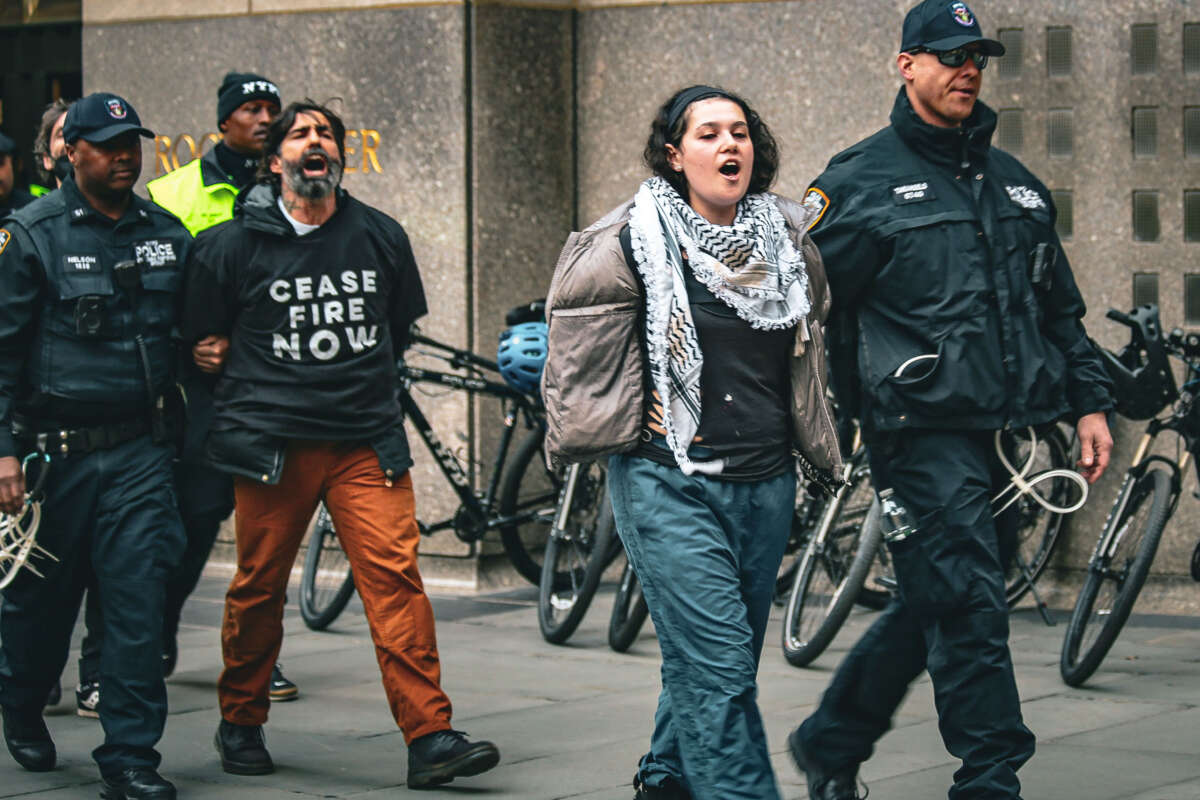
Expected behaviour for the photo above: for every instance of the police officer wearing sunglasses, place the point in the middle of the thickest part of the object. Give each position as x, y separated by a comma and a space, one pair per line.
955, 314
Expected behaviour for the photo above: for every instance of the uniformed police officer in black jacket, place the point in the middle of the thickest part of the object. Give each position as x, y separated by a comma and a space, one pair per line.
90, 275
958, 316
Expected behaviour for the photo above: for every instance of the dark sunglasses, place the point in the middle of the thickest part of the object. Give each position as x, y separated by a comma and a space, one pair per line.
956, 57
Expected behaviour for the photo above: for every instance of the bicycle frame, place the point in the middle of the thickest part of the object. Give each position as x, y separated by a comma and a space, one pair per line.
475, 515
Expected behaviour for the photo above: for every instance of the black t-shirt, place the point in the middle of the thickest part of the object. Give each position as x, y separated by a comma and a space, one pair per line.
745, 389
315, 321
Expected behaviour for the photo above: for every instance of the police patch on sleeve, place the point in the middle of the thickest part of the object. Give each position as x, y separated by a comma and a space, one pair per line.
816, 202
1025, 197
5, 238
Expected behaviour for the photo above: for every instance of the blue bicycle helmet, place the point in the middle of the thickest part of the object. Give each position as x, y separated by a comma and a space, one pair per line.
522, 354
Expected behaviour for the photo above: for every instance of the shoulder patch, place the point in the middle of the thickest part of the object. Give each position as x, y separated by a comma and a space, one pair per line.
816, 201
5, 238
1025, 197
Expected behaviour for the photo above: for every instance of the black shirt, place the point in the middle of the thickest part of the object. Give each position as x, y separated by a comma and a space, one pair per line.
239, 169
745, 389
315, 322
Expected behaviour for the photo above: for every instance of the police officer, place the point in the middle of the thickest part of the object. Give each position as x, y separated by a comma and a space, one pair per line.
202, 194
90, 277
11, 198
963, 319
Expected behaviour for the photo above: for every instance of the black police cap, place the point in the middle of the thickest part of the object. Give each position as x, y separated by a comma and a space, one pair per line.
945, 25
100, 117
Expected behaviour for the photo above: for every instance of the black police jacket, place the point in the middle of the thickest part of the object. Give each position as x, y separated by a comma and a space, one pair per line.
69, 326
315, 324
953, 302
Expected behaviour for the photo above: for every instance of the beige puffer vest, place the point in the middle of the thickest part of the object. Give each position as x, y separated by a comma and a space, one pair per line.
593, 383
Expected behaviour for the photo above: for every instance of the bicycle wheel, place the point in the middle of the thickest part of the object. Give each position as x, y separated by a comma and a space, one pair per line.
1113, 582
831, 574
629, 612
530, 491
1037, 529
326, 583
575, 558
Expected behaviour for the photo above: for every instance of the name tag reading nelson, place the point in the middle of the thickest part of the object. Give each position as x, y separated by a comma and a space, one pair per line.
916, 192
318, 312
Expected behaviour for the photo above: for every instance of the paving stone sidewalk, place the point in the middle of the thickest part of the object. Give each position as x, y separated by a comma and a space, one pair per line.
571, 721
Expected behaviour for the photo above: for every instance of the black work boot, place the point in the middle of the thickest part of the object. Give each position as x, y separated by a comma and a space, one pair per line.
822, 785
243, 749
138, 783
29, 740
669, 790
442, 756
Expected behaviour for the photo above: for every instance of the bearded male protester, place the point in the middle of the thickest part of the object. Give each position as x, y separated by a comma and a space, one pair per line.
956, 314
202, 194
316, 292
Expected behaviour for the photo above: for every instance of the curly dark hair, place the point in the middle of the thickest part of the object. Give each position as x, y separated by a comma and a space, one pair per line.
766, 150
41, 140
284, 122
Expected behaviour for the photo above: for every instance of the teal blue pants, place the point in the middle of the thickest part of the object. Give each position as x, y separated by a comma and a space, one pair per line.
707, 552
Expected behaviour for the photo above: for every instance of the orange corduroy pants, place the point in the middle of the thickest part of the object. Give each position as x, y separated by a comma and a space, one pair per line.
377, 526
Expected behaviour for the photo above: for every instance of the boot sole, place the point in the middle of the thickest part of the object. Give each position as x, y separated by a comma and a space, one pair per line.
113, 793
464, 766
240, 767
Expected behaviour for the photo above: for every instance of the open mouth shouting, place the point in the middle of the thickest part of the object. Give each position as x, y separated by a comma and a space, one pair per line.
731, 168
314, 163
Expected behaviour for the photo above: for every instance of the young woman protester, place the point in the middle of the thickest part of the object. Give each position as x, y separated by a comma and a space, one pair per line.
685, 338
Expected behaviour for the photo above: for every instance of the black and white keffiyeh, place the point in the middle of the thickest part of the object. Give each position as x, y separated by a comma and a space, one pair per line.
751, 266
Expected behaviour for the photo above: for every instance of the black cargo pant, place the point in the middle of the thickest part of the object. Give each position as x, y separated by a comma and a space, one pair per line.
205, 501
110, 516
950, 618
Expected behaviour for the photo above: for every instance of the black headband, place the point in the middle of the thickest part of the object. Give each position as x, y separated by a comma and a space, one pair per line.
689, 96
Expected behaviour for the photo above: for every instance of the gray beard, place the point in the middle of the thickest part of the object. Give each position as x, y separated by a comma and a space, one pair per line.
312, 188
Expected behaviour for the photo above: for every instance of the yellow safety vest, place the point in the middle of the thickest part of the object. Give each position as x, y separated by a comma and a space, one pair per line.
198, 205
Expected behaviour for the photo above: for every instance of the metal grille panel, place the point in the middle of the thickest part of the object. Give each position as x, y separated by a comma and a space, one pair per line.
1060, 133
1143, 49
1145, 132
1058, 51
1010, 130
1145, 216
1064, 204
1191, 215
1191, 299
1191, 48
1145, 288
1009, 65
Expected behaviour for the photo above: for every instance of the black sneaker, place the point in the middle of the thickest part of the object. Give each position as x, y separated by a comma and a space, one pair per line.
138, 783
823, 785
243, 749
29, 740
442, 756
669, 790
87, 699
281, 689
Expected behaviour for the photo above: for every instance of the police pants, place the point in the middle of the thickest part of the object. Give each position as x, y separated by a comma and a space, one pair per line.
707, 553
377, 526
950, 618
112, 513
205, 500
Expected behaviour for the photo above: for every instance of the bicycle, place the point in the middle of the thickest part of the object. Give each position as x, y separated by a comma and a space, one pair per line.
520, 495
1150, 488
581, 544
843, 563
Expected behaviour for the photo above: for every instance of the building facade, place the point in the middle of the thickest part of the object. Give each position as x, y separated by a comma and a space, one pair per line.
492, 129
